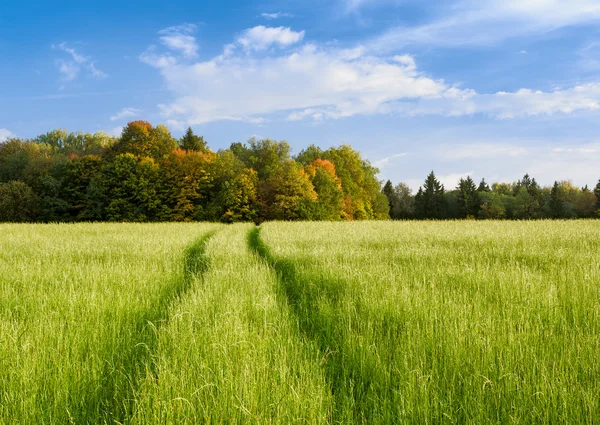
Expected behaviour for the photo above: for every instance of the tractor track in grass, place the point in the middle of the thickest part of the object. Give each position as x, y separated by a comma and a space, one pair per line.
110, 401
362, 391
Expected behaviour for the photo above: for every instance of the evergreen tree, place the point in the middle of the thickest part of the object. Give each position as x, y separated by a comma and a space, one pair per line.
388, 191
192, 142
430, 201
468, 198
483, 186
556, 203
597, 193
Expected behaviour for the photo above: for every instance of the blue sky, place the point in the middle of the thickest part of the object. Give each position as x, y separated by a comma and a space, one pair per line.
490, 88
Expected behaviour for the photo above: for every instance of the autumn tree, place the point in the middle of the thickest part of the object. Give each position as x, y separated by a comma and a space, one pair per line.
287, 194
186, 183
140, 139
328, 188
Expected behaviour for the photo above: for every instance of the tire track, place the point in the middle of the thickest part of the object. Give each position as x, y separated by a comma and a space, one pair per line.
363, 391
112, 399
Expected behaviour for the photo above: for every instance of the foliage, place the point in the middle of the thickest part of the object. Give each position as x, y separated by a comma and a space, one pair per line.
148, 175
18, 202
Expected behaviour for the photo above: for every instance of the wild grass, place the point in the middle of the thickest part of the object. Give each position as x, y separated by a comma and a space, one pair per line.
232, 352
455, 322
80, 308
312, 323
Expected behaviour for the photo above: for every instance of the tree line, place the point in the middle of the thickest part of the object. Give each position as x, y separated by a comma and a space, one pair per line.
524, 199
147, 175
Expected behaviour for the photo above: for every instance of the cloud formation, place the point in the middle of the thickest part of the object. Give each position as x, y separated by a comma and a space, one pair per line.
276, 15
261, 37
317, 82
180, 38
126, 113
71, 68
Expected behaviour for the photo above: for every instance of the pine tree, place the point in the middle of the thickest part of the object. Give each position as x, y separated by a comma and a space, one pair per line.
468, 198
597, 193
388, 191
192, 142
430, 201
556, 203
483, 186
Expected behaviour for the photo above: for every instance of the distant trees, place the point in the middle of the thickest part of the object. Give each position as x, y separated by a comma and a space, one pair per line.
146, 174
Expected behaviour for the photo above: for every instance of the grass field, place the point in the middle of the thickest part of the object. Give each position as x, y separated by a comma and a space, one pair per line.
312, 323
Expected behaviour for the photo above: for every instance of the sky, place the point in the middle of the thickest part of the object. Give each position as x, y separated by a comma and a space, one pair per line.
487, 88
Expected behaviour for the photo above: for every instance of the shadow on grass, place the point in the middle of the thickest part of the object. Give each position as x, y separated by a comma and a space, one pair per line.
129, 358
363, 391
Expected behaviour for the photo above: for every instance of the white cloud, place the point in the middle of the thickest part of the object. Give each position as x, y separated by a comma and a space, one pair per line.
126, 113
503, 105
381, 163
179, 38
96, 72
76, 56
484, 22
68, 70
5, 134
325, 82
261, 37
450, 181
71, 68
276, 15
314, 82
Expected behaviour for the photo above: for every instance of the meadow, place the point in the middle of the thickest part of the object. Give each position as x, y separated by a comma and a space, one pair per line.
456, 322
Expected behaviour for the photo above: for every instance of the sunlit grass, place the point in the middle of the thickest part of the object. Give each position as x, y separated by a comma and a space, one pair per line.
312, 323
456, 322
79, 309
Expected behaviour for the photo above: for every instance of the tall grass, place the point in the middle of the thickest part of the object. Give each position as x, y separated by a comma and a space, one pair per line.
456, 322
232, 352
312, 323
80, 306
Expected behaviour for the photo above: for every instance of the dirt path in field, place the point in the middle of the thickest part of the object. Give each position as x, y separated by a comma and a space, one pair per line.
112, 400
361, 390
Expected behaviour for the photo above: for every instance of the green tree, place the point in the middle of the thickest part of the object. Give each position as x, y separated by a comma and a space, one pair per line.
492, 206
483, 186
140, 139
18, 202
131, 188
187, 181
264, 156
468, 198
430, 202
597, 193
403, 206
239, 197
287, 194
328, 188
192, 142
388, 191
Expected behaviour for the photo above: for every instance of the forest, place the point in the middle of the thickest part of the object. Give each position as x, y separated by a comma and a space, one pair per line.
147, 175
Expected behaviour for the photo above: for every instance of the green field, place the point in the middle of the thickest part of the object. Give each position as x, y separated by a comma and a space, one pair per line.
309, 323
